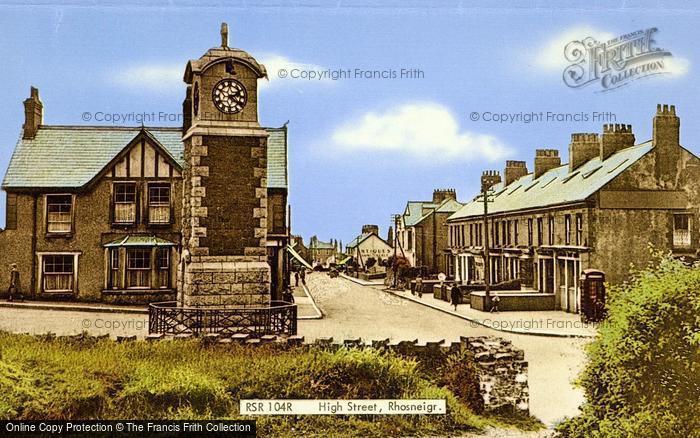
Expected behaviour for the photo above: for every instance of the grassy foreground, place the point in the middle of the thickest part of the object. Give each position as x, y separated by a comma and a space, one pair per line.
42, 378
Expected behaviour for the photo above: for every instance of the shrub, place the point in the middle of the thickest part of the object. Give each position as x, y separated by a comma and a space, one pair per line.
643, 375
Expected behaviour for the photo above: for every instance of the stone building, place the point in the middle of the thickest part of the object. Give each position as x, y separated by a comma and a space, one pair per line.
104, 213
321, 252
369, 245
602, 210
422, 233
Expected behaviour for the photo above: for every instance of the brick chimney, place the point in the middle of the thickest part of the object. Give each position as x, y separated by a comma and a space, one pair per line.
370, 229
514, 170
583, 148
546, 159
666, 141
33, 114
489, 178
439, 195
615, 137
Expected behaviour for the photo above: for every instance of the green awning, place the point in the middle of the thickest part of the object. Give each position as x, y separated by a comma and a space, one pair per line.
344, 261
139, 241
298, 257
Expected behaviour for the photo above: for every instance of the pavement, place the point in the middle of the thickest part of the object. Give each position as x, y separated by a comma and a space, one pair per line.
540, 323
74, 306
306, 306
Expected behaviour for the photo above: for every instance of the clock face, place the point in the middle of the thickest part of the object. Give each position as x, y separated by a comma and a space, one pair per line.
229, 96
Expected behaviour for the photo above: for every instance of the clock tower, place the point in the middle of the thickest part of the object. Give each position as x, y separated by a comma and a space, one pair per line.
224, 226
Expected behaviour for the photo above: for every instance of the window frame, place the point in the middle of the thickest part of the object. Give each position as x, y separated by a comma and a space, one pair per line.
550, 230
160, 204
115, 202
579, 229
47, 213
567, 229
73, 257
688, 230
128, 268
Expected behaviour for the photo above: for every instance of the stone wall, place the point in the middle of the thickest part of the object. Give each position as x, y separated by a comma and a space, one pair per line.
227, 281
501, 367
502, 373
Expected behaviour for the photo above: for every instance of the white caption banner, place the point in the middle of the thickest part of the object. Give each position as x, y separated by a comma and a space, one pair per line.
343, 407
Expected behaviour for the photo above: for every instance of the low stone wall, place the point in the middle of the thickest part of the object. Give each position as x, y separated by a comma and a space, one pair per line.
501, 367
513, 301
502, 371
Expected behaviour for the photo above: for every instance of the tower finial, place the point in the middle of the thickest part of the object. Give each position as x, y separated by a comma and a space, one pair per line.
224, 35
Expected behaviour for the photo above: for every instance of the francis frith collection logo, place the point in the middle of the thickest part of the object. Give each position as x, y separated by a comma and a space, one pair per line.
614, 63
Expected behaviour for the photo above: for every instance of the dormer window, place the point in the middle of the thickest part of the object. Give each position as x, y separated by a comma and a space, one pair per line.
124, 203
59, 214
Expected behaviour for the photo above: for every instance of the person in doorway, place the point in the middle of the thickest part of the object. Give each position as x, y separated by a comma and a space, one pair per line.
296, 278
15, 289
302, 276
495, 299
419, 286
288, 296
455, 296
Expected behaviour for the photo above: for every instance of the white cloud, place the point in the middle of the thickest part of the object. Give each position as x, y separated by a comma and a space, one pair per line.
168, 77
424, 131
675, 65
151, 77
550, 56
284, 71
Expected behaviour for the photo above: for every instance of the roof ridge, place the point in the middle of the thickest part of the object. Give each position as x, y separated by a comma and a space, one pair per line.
111, 128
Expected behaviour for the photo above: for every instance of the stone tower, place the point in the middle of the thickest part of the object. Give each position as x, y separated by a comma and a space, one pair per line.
224, 223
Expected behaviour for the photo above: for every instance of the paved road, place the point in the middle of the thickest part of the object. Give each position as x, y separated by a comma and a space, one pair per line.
352, 311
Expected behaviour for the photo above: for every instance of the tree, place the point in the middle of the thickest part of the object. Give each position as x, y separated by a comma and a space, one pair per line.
643, 374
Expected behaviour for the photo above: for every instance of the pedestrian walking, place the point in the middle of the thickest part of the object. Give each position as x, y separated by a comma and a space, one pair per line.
296, 278
455, 296
419, 286
15, 289
302, 276
494, 303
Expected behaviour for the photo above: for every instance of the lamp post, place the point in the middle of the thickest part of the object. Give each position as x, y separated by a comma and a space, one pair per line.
488, 179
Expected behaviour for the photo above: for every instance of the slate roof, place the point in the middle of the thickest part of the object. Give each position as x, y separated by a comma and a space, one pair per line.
557, 186
416, 212
317, 244
357, 240
71, 156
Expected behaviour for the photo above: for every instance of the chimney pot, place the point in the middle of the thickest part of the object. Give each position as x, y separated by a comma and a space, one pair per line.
615, 137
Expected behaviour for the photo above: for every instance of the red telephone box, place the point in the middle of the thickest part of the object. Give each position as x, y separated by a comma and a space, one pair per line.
592, 284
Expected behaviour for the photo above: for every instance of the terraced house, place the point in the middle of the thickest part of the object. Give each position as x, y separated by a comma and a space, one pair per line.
421, 230
94, 213
602, 210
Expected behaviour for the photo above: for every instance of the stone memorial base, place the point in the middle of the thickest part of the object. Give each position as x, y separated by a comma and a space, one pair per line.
226, 281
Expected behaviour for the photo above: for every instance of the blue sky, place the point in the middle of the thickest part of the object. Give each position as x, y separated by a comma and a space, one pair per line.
359, 148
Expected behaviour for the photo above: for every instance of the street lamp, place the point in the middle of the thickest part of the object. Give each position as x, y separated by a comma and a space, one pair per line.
488, 179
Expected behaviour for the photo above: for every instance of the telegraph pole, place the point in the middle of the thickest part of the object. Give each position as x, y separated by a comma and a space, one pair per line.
488, 179
396, 241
